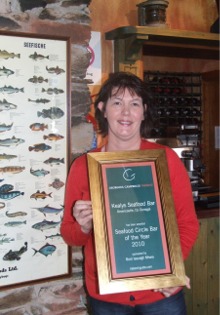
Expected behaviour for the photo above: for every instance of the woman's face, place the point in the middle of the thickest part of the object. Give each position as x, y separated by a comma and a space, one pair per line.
124, 113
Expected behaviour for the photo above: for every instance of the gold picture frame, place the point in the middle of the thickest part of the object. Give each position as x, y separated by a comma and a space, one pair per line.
136, 238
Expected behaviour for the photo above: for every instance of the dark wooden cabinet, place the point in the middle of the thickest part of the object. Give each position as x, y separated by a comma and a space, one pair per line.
210, 109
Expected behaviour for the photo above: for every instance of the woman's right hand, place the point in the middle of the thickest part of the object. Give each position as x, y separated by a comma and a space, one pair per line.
82, 211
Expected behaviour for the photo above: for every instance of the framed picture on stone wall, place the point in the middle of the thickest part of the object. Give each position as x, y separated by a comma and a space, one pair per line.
136, 235
34, 157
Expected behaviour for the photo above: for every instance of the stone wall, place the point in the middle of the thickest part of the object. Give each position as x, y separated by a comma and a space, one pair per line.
62, 18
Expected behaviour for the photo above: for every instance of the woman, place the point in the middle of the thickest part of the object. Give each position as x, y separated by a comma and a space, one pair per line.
124, 111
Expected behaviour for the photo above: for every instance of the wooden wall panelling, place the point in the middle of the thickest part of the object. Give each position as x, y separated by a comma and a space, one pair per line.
190, 270
197, 263
200, 280
213, 266
202, 267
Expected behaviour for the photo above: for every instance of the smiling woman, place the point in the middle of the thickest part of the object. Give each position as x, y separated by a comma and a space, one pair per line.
124, 110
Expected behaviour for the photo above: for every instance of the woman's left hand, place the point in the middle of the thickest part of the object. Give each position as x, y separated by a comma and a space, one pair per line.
167, 292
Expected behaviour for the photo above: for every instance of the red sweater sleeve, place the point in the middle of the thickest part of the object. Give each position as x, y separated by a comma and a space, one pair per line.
188, 224
77, 188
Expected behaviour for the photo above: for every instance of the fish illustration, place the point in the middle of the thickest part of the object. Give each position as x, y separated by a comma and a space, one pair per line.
37, 56
16, 255
4, 54
52, 113
15, 214
6, 188
10, 194
36, 79
53, 137
54, 161
45, 225
39, 147
38, 127
53, 236
57, 184
51, 91
49, 210
5, 156
11, 141
4, 105
10, 89
45, 250
40, 195
12, 169
2, 205
55, 70
8, 24
6, 240
4, 127
39, 100
39, 173
15, 223
5, 72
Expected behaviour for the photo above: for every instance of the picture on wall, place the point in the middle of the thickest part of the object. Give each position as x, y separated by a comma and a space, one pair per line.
34, 157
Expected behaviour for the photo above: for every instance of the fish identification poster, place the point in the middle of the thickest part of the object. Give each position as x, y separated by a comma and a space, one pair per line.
34, 158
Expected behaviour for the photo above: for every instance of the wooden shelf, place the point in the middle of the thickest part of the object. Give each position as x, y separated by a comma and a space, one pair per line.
150, 39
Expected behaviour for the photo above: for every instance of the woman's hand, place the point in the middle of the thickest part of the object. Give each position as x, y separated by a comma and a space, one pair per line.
167, 292
82, 211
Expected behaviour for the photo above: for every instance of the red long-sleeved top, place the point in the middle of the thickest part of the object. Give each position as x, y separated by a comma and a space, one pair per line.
77, 188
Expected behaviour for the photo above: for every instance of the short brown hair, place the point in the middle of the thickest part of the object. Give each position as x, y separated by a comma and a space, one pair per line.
122, 81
